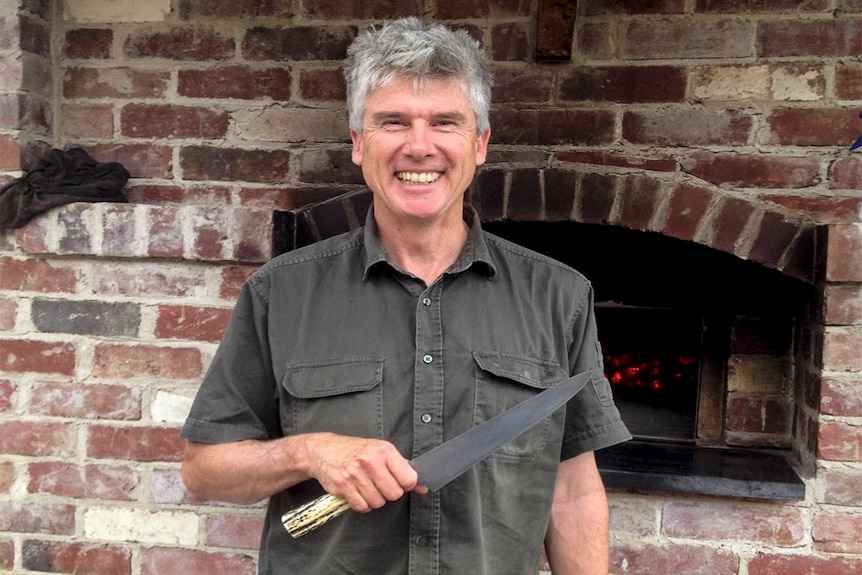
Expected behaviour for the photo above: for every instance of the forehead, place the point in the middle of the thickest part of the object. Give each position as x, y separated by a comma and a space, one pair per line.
403, 91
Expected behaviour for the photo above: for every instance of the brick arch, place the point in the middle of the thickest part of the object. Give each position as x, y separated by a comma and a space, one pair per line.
687, 210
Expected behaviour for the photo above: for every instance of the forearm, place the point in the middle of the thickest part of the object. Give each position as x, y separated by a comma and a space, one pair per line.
577, 538
245, 471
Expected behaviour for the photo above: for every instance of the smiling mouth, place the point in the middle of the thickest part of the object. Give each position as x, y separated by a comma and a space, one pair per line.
418, 177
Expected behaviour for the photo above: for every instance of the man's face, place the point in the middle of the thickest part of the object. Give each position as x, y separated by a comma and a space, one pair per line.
418, 150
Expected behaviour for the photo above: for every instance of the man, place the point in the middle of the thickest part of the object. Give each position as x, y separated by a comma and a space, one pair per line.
345, 359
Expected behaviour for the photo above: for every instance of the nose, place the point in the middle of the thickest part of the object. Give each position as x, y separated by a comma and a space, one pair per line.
418, 140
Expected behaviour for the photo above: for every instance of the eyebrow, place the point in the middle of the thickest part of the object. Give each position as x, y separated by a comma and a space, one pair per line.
457, 117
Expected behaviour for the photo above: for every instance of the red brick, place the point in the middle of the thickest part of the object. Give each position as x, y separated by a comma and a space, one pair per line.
114, 83
165, 236
36, 275
848, 81
235, 82
191, 323
379, 10
807, 564
142, 160
298, 43
234, 531
774, 238
820, 38
686, 127
171, 121
116, 483
135, 443
595, 41
70, 557
552, 127
756, 414
758, 171
510, 42
38, 439
7, 476
598, 7
689, 38
83, 401
35, 36
644, 559
148, 281
8, 311
323, 85
516, 85
838, 532
232, 278
818, 208
188, 44
843, 305
841, 397
730, 223
88, 43
846, 173
839, 442
7, 548
88, 120
195, 9
37, 356
128, 361
783, 526
252, 236
759, 6
7, 394
119, 230
814, 127
638, 84
10, 153
687, 208
639, 200
220, 164
844, 253
286, 199
841, 351
603, 158
210, 233
32, 517
156, 561
598, 192
841, 486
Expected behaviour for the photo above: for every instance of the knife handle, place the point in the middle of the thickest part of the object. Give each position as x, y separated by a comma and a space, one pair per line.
313, 514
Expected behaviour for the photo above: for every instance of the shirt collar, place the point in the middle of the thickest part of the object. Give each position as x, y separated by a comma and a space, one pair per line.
475, 254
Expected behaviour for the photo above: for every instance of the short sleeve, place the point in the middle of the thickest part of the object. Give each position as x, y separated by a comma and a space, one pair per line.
592, 419
237, 399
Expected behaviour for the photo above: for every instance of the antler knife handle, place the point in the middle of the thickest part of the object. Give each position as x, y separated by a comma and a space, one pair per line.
313, 514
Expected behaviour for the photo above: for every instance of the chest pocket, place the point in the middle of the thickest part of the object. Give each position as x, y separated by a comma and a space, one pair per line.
503, 381
343, 396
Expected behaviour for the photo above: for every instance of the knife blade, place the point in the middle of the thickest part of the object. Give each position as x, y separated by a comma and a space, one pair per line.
440, 465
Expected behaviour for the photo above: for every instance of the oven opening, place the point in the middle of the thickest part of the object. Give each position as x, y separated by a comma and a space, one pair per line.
652, 360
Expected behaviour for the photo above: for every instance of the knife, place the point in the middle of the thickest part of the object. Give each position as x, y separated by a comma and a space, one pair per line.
440, 465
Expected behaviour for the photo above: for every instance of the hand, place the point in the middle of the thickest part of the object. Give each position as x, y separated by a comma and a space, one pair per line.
365, 472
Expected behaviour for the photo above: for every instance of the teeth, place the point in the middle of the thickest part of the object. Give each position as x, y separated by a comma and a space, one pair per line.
417, 177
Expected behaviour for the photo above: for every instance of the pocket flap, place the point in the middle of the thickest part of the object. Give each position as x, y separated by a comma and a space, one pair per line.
536, 373
337, 377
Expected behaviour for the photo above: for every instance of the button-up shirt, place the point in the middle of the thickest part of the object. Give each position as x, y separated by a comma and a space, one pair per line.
335, 337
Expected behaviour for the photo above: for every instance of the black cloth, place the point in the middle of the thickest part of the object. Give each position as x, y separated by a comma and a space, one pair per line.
60, 177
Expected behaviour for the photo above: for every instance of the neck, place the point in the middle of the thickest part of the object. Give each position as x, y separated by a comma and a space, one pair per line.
425, 251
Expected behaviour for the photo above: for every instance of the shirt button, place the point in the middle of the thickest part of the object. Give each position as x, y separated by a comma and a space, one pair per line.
423, 541
427, 358
426, 301
426, 418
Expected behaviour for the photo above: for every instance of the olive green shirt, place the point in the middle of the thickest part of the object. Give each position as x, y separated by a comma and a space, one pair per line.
334, 337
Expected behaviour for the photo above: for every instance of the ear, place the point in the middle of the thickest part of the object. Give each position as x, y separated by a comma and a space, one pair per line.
356, 156
482, 146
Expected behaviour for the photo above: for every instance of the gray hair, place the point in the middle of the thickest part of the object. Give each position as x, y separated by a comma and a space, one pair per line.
409, 48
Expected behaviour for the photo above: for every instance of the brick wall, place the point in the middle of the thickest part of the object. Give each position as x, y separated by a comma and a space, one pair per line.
720, 122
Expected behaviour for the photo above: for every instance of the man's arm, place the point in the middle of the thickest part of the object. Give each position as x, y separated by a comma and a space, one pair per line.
577, 539
365, 472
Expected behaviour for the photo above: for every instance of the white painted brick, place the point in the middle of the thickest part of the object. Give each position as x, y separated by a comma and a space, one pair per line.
141, 525
116, 10
170, 407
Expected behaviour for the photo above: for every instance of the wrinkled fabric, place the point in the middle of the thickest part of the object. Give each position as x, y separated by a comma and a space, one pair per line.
60, 177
